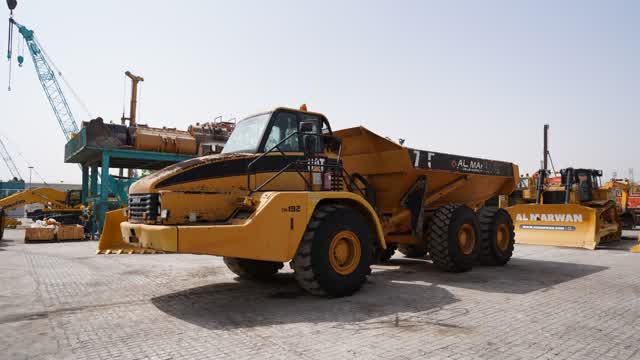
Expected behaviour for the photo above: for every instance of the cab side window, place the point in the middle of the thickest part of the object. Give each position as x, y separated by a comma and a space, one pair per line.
284, 125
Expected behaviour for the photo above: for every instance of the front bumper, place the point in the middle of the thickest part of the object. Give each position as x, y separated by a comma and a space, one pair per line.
251, 240
156, 237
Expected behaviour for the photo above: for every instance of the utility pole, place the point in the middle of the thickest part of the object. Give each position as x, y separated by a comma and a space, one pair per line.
542, 174
30, 169
545, 150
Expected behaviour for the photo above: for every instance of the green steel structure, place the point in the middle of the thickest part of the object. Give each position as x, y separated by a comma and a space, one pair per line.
105, 191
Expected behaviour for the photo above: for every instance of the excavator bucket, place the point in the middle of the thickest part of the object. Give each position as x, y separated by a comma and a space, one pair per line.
111, 241
569, 225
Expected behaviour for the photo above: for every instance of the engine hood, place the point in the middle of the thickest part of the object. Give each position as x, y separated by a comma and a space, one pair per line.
190, 175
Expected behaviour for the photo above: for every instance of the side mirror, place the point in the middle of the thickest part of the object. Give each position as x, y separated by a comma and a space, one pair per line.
310, 146
306, 127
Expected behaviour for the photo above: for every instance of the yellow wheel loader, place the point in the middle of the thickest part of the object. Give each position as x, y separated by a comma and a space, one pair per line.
577, 212
286, 188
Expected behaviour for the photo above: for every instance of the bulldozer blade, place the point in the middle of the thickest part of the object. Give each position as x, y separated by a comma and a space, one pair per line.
111, 241
569, 225
111, 237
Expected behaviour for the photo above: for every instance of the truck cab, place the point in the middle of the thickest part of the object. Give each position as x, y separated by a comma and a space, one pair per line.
262, 132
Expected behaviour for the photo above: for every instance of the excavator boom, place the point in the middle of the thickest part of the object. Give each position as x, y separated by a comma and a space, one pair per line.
52, 198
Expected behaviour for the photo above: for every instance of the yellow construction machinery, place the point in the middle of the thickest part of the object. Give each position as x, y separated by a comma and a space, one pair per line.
574, 212
286, 188
627, 196
63, 206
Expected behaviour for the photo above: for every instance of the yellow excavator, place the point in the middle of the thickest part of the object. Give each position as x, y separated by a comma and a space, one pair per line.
63, 206
286, 188
575, 211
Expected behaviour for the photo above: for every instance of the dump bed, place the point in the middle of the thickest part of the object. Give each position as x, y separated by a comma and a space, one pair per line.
392, 169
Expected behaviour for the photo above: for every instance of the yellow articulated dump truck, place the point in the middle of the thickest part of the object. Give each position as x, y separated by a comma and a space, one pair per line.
286, 188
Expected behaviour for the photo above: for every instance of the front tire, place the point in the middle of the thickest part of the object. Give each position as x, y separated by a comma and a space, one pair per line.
253, 269
497, 237
454, 238
336, 252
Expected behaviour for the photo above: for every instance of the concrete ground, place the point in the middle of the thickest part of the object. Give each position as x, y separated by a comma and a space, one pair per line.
60, 300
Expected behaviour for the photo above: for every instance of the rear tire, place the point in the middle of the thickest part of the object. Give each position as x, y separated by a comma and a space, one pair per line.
336, 252
253, 269
497, 237
412, 251
454, 238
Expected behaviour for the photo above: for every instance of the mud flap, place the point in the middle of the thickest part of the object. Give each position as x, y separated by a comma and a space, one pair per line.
111, 241
569, 225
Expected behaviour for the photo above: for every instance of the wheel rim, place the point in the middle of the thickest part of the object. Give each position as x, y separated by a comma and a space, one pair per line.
466, 239
344, 252
503, 236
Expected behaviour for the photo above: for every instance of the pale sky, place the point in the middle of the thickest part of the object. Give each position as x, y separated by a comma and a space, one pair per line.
476, 78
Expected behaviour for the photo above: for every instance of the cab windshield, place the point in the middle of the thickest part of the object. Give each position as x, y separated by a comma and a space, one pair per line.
247, 134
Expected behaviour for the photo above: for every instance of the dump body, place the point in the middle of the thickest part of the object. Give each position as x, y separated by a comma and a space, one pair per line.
392, 169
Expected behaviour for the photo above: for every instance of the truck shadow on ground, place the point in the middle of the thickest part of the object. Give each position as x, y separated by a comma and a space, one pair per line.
624, 244
403, 292
246, 304
519, 276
